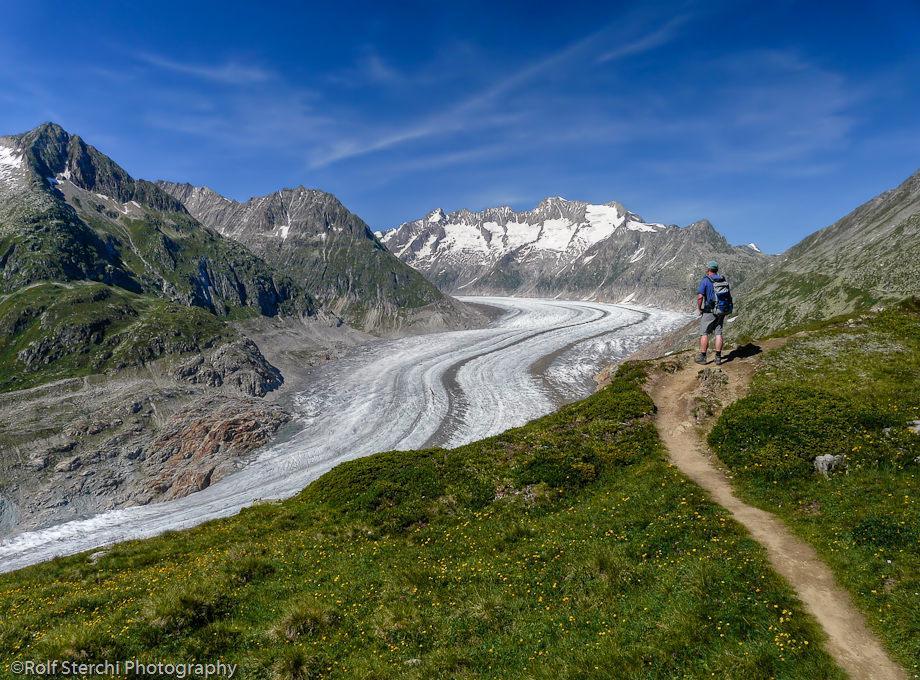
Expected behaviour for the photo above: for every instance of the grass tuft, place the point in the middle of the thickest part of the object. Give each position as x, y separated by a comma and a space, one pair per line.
305, 619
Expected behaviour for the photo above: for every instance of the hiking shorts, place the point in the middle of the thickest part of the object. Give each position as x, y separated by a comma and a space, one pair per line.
711, 323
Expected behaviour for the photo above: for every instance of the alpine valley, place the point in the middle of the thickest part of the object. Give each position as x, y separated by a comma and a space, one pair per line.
454, 504
138, 343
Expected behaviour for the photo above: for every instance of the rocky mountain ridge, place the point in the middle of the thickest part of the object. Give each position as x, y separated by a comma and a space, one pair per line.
310, 235
566, 248
69, 213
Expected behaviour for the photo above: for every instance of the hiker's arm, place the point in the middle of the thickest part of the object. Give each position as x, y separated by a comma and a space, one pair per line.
699, 302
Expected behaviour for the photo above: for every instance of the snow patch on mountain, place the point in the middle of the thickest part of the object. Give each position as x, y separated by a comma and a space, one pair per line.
556, 234
600, 222
9, 159
753, 246
10, 164
634, 225
638, 255
606, 217
426, 249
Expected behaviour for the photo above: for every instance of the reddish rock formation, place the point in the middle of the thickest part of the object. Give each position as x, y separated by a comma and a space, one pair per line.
203, 441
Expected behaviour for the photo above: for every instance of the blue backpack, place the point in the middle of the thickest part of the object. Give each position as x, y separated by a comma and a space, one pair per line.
722, 302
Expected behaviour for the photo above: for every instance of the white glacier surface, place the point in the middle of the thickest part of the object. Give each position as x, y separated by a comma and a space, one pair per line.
442, 389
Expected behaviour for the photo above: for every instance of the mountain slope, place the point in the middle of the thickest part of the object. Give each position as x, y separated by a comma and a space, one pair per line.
870, 256
68, 212
310, 235
99, 271
567, 249
845, 393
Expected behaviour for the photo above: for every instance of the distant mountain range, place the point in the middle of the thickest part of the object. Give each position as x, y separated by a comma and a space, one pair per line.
330, 251
567, 249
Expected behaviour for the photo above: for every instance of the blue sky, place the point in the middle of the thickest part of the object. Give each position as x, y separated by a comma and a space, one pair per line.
770, 119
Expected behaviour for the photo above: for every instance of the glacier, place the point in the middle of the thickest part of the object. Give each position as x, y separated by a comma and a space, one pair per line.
444, 389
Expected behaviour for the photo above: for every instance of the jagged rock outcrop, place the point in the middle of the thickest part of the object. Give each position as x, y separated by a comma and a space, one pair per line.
203, 443
238, 364
568, 249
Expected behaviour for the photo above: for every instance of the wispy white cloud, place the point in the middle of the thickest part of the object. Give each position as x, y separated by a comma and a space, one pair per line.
763, 110
370, 69
462, 115
770, 111
440, 161
646, 42
477, 110
379, 71
227, 73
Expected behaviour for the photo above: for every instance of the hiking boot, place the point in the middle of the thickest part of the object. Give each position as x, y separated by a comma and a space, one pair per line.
700, 358
720, 360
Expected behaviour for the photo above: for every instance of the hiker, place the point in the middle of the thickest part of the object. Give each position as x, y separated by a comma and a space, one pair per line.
714, 303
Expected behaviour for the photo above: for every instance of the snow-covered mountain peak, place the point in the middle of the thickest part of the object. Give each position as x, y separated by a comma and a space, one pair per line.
552, 202
556, 226
559, 245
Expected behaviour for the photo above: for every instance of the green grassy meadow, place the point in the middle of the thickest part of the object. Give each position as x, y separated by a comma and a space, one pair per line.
50, 331
565, 548
850, 388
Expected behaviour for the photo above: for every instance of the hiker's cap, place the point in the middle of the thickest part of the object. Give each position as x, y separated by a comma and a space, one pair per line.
713, 265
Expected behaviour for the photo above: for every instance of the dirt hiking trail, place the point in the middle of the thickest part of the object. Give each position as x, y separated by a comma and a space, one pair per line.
684, 394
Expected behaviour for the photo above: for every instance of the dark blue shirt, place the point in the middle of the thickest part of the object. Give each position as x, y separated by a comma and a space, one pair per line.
707, 291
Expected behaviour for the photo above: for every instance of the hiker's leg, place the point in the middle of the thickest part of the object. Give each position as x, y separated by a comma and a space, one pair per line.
706, 321
717, 331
